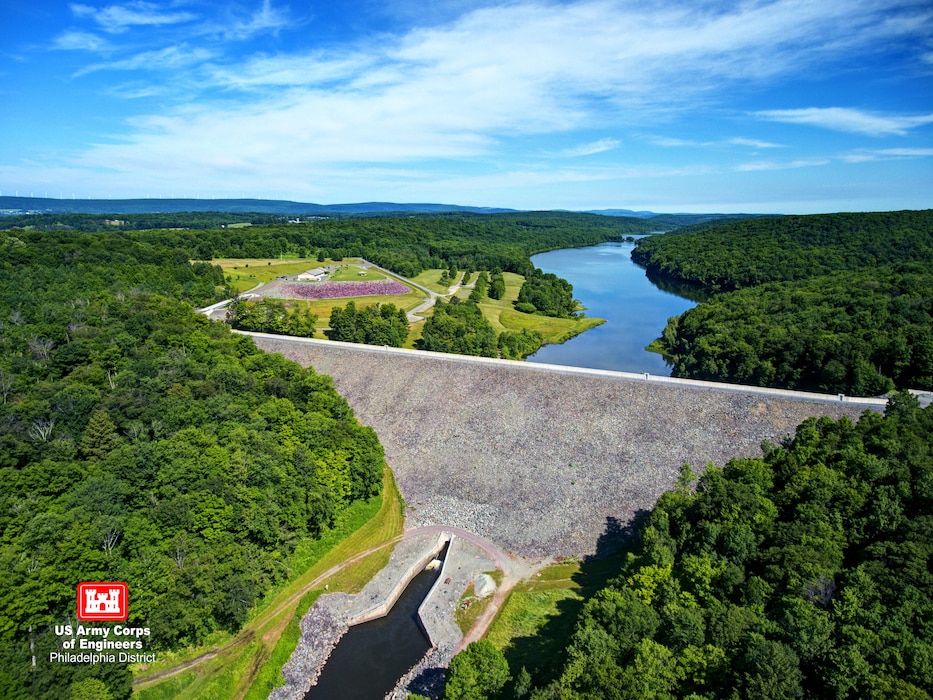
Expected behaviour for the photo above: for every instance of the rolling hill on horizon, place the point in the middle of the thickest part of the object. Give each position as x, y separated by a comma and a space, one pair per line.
19, 206
46, 205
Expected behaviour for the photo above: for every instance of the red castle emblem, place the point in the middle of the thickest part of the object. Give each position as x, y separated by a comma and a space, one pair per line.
102, 601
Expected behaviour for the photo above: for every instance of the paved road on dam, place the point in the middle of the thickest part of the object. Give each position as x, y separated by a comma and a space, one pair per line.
545, 461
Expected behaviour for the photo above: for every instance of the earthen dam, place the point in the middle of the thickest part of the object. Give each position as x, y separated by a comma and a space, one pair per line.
544, 460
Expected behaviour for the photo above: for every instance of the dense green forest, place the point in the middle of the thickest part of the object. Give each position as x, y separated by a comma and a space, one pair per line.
835, 302
271, 316
755, 251
379, 324
863, 332
139, 442
805, 573
547, 294
137, 222
459, 327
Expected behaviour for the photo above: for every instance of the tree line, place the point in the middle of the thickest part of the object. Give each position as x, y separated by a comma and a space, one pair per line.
379, 324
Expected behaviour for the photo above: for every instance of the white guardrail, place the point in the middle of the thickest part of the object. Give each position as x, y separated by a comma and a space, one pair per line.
585, 371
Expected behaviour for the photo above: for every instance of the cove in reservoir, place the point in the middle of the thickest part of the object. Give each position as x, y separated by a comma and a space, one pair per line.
611, 286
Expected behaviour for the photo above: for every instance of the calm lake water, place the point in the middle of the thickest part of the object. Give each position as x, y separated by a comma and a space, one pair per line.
611, 286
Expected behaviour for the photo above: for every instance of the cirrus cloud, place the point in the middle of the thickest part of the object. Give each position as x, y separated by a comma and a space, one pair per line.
849, 120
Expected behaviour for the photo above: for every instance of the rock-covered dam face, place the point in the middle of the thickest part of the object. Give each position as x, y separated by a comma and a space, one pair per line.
538, 460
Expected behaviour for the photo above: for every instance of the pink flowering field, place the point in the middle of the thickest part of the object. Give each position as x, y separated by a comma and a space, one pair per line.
334, 290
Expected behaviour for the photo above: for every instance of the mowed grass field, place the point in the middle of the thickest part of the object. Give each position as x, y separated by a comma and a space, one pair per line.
322, 307
249, 665
245, 274
429, 279
503, 316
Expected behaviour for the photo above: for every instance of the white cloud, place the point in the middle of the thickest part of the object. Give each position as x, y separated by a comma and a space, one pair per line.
171, 58
668, 142
588, 149
468, 90
117, 19
887, 154
772, 165
266, 19
907, 152
754, 143
81, 41
303, 70
848, 120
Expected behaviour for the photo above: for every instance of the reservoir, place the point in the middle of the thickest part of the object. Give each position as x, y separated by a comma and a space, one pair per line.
611, 286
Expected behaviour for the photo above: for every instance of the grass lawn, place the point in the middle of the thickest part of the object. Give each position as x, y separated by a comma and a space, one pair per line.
429, 279
246, 273
414, 333
252, 661
351, 273
322, 307
535, 623
503, 316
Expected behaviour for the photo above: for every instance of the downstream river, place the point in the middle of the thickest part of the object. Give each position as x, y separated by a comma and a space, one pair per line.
371, 657
611, 286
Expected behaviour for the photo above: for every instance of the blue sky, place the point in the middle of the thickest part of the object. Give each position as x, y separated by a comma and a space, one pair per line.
792, 106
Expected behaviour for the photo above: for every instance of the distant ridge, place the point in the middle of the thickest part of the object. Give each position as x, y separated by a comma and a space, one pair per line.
19, 206
622, 212
44, 205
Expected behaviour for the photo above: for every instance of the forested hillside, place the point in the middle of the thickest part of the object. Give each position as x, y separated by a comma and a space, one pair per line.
755, 251
141, 443
807, 573
407, 244
836, 302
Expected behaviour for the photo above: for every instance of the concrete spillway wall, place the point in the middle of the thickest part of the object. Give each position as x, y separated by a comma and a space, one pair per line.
543, 460
382, 608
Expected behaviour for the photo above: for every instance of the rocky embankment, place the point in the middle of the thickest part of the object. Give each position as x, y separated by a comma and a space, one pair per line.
542, 462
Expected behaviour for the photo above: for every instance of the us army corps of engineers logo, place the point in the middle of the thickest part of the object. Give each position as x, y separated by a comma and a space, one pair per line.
92, 644
102, 601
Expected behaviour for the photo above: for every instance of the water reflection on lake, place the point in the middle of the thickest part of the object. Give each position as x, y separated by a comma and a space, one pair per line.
611, 286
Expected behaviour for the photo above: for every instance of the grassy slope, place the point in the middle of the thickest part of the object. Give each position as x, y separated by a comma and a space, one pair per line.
254, 658
538, 617
503, 316
429, 278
